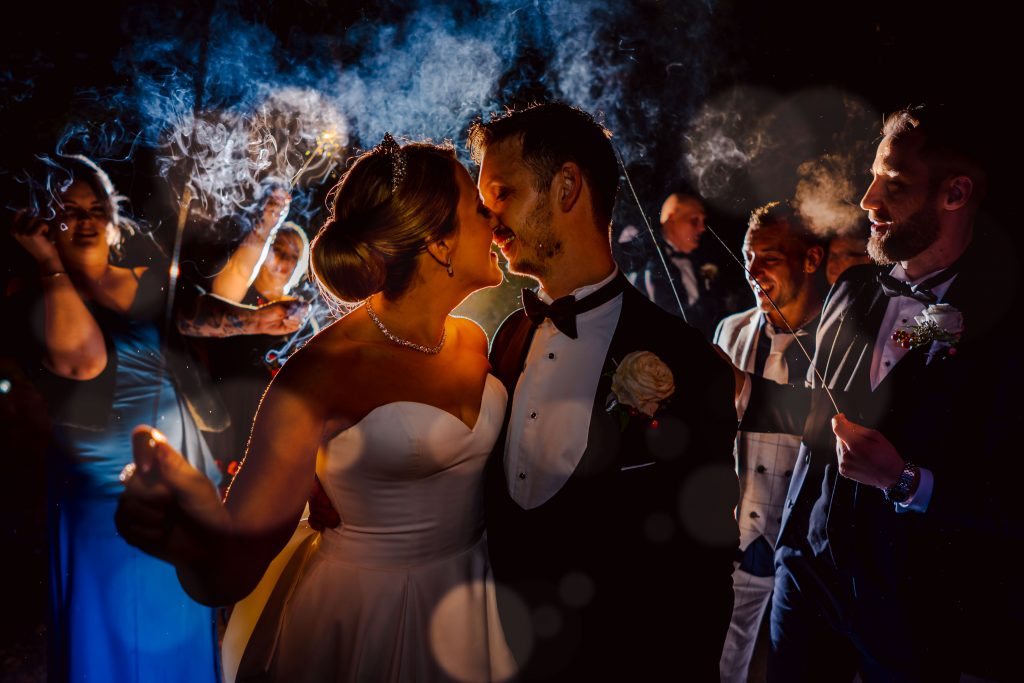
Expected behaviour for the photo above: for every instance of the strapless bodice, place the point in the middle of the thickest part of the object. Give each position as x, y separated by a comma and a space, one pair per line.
407, 481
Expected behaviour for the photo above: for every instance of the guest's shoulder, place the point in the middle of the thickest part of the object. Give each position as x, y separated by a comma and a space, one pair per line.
731, 323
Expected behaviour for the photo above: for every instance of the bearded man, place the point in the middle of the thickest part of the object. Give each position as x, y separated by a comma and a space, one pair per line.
891, 556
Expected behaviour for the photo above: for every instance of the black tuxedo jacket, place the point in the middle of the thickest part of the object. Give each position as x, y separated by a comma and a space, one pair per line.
625, 574
943, 572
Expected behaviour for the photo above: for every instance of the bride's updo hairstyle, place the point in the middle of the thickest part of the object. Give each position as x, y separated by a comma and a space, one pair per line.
390, 205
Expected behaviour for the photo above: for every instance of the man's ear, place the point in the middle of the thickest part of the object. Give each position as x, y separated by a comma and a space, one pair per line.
568, 184
813, 259
958, 192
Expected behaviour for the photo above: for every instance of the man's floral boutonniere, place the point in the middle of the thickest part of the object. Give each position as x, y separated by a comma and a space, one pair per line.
640, 385
940, 327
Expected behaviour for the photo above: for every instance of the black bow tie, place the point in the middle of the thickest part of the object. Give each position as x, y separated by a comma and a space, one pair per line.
563, 311
922, 291
678, 254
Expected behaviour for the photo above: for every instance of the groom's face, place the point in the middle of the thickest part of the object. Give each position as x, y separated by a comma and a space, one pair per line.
524, 233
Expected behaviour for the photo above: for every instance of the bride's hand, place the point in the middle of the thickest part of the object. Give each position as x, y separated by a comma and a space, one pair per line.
168, 508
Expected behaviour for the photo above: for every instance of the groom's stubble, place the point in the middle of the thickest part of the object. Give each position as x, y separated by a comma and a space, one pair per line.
909, 237
539, 244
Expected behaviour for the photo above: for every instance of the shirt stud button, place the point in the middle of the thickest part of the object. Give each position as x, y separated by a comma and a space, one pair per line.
761, 469
533, 416
551, 356
522, 475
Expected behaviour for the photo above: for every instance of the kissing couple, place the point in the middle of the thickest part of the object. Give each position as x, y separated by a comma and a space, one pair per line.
560, 508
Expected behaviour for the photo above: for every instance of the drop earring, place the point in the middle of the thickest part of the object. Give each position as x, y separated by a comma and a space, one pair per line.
446, 264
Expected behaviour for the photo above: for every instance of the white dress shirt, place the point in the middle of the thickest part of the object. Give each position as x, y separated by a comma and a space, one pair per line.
899, 313
551, 408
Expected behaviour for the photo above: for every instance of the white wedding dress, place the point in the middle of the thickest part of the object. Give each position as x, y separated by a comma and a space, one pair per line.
402, 590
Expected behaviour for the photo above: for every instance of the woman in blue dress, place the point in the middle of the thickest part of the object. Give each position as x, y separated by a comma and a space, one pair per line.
115, 613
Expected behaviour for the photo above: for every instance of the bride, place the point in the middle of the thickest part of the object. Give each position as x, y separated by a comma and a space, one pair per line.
394, 408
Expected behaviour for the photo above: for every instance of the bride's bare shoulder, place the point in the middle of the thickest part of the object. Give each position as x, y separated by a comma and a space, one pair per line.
471, 337
334, 355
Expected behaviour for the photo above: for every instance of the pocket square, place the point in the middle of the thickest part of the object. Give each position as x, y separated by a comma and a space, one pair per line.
636, 467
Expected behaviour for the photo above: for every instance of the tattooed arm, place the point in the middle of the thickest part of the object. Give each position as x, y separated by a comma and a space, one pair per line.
212, 316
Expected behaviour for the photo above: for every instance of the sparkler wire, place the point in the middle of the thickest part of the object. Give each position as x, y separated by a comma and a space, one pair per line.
172, 283
654, 238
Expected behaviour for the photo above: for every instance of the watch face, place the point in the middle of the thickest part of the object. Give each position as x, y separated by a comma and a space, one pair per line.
900, 491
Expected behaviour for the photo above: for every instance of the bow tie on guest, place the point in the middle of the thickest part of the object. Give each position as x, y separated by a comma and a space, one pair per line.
922, 291
563, 311
677, 254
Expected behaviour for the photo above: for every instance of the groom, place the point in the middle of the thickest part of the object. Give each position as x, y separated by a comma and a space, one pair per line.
610, 496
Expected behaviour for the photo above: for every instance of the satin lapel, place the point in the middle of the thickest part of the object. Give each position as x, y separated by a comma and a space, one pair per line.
848, 347
605, 435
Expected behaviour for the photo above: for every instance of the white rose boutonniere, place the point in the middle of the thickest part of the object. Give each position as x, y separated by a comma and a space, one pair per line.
939, 326
641, 383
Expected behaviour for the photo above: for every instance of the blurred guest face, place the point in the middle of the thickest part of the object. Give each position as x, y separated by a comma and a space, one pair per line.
780, 266
682, 222
845, 251
473, 260
900, 201
523, 230
275, 210
83, 224
282, 259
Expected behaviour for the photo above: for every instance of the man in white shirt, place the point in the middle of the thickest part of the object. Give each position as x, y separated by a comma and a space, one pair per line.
774, 340
609, 501
891, 556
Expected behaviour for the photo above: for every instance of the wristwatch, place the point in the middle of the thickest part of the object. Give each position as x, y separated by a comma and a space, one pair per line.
900, 491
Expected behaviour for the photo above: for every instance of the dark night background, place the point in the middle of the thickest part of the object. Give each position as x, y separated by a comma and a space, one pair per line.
800, 80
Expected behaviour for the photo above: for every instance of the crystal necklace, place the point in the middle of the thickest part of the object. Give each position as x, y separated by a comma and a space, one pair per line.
431, 350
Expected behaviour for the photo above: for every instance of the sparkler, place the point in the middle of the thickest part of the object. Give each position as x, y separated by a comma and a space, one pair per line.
328, 143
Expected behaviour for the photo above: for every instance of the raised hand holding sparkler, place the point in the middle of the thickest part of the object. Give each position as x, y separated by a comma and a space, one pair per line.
866, 455
169, 508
